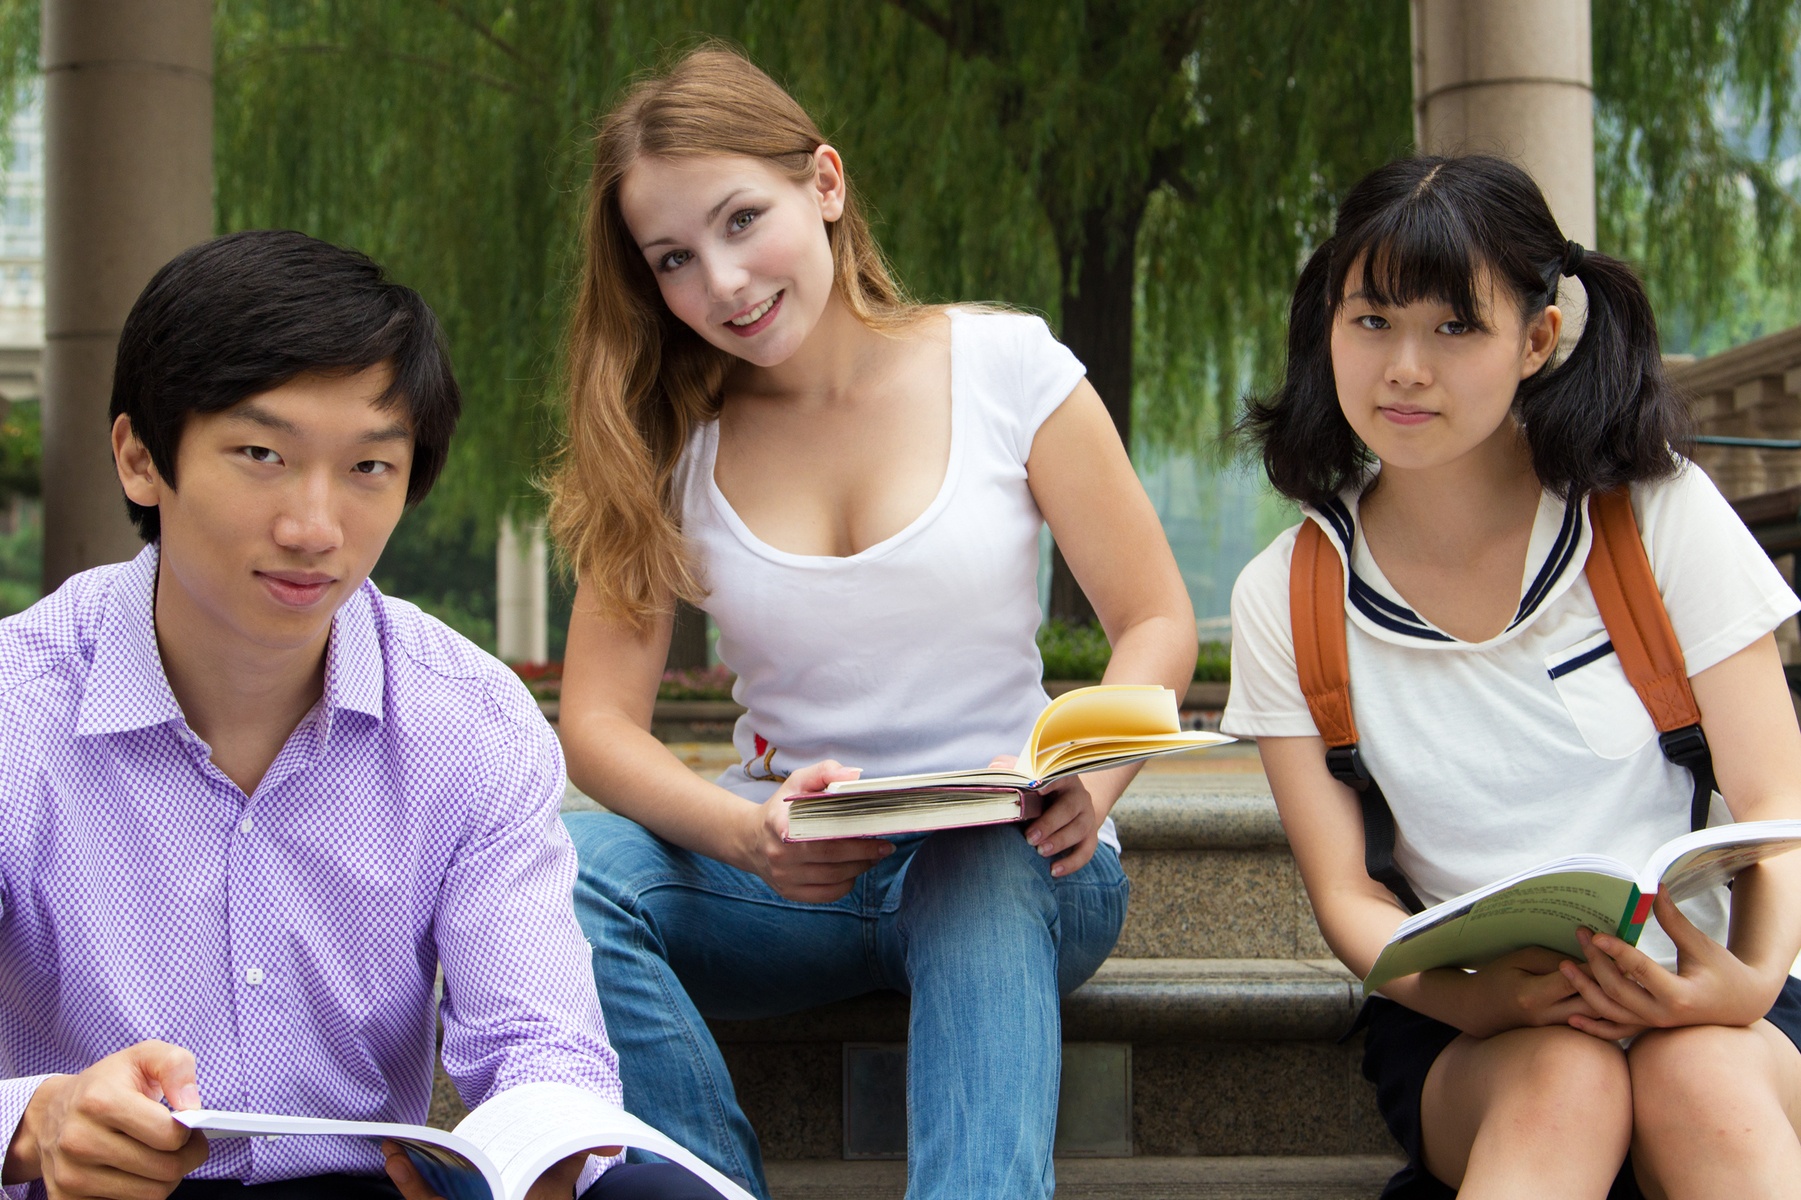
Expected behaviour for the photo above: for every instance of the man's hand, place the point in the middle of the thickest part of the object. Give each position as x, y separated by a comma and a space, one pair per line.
1522, 989
105, 1131
558, 1183
1629, 991
815, 872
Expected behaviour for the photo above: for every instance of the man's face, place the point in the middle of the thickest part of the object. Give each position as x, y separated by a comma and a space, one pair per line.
283, 504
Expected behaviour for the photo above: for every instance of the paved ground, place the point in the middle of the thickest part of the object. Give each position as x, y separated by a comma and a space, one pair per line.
1358, 1177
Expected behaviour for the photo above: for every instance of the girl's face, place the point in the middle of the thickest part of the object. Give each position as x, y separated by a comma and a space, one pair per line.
738, 248
1422, 388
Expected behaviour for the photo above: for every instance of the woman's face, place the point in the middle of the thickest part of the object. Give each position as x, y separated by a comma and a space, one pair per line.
738, 248
1422, 388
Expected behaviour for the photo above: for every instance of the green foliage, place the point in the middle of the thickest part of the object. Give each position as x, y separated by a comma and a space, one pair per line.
445, 565
1081, 652
21, 557
1693, 100
1213, 664
21, 451
1002, 144
19, 24
697, 683
1073, 651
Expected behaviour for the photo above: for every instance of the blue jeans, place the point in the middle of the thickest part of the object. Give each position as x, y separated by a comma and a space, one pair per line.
969, 923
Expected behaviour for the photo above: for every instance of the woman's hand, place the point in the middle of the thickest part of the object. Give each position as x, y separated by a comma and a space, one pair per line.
1629, 991
815, 872
1522, 989
1069, 825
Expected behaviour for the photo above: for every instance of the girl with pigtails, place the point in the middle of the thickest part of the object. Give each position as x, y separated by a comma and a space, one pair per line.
852, 486
1454, 464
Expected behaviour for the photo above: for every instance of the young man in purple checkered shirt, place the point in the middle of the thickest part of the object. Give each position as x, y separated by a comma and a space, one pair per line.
248, 804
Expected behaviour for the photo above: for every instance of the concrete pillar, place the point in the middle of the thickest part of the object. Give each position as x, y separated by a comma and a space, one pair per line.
1515, 78
128, 183
522, 607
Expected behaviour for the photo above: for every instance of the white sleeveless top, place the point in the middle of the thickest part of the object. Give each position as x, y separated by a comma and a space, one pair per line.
919, 652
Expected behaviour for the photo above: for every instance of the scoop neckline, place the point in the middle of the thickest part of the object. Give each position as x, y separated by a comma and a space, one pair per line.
952, 468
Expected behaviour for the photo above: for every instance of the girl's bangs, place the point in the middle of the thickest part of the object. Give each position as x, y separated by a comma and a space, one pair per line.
1410, 254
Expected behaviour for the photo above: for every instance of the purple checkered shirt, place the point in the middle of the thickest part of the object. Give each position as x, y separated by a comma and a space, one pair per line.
290, 939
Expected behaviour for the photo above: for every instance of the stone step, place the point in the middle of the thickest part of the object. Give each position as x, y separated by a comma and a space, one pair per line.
1128, 1000
1335, 1177
1163, 1057
1212, 876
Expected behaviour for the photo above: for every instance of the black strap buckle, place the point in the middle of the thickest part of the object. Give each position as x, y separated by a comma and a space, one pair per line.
1346, 766
1685, 746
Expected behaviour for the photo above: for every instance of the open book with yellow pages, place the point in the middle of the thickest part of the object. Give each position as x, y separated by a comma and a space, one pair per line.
1088, 729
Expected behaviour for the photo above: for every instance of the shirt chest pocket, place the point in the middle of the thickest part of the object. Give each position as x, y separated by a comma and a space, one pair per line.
1593, 687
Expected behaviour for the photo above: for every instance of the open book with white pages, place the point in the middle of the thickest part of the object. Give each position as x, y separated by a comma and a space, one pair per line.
498, 1151
1086, 729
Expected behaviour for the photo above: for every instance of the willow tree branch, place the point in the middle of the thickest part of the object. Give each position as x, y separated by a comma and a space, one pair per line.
329, 50
963, 37
486, 32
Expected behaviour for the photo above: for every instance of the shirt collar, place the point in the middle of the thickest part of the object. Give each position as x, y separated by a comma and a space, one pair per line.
354, 675
1555, 557
126, 687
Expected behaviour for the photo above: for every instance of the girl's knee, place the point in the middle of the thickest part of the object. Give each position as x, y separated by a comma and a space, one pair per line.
1559, 1070
1680, 1074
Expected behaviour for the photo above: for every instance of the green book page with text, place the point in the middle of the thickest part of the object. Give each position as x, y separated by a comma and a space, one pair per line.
1543, 911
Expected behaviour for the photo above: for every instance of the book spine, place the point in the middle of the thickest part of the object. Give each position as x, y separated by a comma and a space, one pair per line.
1638, 911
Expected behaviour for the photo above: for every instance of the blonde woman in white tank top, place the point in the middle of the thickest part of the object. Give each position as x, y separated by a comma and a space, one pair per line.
853, 487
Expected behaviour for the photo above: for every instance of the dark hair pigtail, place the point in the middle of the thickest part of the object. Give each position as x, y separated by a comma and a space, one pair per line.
1606, 415
1308, 449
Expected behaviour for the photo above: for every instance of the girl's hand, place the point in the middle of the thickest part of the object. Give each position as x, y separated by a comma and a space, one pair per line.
1521, 989
1629, 991
1069, 825
814, 872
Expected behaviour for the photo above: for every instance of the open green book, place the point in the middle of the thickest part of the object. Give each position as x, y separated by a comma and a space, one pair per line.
1087, 729
1544, 906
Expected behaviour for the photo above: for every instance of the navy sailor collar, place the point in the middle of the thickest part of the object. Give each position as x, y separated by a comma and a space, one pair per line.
1555, 557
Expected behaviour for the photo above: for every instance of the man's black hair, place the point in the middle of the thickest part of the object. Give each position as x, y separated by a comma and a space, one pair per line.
1428, 228
245, 313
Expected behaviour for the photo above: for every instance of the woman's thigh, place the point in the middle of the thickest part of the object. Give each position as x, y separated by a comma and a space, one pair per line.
740, 949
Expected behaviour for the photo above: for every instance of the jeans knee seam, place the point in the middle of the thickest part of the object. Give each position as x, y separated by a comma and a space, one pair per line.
715, 1102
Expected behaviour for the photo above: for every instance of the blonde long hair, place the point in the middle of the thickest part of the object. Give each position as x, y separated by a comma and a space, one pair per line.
639, 380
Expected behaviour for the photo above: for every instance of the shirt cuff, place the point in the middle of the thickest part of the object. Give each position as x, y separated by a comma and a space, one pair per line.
15, 1094
595, 1168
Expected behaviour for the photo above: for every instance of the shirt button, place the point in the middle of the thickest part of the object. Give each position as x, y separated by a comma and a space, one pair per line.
244, 826
254, 975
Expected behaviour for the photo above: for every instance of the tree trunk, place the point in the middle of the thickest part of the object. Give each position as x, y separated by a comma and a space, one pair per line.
688, 643
1097, 326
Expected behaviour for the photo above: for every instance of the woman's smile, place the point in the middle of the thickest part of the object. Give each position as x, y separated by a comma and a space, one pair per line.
757, 317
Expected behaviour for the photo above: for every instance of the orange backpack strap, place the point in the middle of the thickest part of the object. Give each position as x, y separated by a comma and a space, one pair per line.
1638, 626
1316, 616
1316, 611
